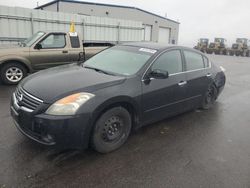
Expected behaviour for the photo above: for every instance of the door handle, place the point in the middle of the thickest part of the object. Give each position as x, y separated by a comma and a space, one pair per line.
65, 51
182, 83
209, 75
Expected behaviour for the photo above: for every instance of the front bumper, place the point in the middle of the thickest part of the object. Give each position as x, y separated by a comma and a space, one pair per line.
59, 131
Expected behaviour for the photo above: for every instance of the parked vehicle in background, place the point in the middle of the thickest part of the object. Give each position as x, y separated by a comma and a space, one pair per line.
240, 48
122, 88
202, 45
44, 50
219, 46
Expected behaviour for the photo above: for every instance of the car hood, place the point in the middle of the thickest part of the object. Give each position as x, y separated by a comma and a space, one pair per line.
52, 84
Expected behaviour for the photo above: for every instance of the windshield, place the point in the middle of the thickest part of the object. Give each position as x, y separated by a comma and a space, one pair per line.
204, 40
28, 42
123, 60
218, 40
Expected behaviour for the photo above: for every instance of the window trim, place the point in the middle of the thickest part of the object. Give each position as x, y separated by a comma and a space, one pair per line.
161, 53
53, 47
205, 67
183, 68
183, 63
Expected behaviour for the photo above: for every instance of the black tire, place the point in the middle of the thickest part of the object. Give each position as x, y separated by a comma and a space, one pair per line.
244, 54
111, 130
210, 97
248, 54
12, 73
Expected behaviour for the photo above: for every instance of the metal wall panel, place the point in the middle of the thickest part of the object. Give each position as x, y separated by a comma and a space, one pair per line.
18, 23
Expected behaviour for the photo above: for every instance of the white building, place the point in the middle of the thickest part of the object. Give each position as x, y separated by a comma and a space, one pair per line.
156, 28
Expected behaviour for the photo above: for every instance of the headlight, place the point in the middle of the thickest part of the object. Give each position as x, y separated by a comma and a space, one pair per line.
69, 105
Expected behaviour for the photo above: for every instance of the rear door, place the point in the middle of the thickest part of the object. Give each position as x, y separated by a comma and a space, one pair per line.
54, 51
199, 77
164, 97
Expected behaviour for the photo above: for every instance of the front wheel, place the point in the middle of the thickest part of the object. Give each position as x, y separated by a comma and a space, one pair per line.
12, 73
210, 97
111, 130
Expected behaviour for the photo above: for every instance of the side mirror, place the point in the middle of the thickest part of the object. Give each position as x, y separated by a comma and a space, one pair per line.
38, 46
158, 74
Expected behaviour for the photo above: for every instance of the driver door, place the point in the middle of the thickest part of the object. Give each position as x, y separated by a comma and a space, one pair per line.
53, 51
164, 97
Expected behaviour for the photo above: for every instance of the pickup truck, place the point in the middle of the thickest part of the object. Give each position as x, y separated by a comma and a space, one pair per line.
44, 50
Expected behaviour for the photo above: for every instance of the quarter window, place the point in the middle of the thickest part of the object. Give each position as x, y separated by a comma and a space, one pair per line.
194, 60
170, 61
54, 41
206, 61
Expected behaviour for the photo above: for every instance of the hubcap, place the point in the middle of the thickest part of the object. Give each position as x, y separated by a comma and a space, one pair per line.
14, 74
113, 129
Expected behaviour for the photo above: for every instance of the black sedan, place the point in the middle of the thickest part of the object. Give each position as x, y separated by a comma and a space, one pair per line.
98, 102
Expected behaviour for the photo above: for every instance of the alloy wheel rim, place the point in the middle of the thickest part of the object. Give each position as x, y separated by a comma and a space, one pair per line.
14, 74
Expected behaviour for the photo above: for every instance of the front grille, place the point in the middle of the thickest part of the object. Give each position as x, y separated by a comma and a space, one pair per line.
24, 99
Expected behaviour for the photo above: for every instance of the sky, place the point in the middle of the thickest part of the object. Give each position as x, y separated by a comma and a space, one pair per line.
229, 19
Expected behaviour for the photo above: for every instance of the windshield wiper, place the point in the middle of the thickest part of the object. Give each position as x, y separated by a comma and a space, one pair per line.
99, 70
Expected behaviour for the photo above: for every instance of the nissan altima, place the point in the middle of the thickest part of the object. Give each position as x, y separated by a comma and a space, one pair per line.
97, 103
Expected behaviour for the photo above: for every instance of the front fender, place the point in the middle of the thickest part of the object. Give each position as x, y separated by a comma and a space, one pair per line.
20, 59
115, 101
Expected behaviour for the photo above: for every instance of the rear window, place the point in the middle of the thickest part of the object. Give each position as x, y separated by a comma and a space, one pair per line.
74, 40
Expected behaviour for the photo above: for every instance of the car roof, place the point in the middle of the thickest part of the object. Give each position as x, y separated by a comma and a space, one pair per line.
159, 46
152, 45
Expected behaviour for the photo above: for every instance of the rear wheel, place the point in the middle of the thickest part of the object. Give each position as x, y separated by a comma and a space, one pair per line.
210, 97
12, 73
248, 53
111, 130
244, 53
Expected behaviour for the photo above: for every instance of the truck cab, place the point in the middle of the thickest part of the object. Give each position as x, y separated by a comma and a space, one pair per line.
219, 46
241, 47
40, 51
202, 44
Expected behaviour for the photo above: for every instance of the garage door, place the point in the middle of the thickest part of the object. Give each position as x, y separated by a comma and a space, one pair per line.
164, 35
147, 33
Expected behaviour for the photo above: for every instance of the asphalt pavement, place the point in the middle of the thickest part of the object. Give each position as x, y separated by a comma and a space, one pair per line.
197, 149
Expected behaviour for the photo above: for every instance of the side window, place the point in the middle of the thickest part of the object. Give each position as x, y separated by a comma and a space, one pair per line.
194, 60
54, 41
170, 61
74, 40
206, 61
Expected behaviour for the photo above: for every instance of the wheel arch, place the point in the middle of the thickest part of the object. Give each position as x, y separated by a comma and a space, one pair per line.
21, 62
123, 101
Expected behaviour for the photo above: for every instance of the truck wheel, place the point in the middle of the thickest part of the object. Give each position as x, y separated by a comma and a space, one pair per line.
12, 73
244, 54
248, 54
111, 130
